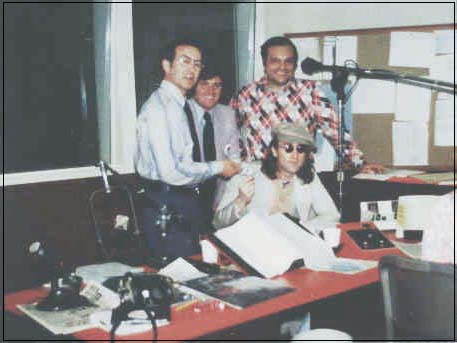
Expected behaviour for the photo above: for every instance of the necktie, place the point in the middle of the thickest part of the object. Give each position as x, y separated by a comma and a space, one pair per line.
209, 148
209, 151
193, 133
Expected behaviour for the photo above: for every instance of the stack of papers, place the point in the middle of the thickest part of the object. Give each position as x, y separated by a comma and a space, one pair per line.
388, 174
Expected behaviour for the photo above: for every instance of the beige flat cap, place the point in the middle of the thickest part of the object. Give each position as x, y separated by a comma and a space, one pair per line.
293, 133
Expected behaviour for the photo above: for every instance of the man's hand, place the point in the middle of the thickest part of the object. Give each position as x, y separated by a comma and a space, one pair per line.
246, 190
373, 169
230, 168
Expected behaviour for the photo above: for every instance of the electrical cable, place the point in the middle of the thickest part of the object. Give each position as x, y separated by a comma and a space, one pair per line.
152, 318
113, 331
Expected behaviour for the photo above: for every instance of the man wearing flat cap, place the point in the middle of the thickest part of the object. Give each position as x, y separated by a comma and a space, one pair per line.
284, 181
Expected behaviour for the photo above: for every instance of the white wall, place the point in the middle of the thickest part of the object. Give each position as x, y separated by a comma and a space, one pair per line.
302, 17
275, 19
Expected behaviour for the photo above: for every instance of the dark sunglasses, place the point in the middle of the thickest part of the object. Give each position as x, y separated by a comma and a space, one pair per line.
289, 148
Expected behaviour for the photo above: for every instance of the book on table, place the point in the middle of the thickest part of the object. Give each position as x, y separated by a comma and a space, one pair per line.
268, 246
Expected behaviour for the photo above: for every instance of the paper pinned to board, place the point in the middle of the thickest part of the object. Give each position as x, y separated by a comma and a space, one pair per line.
308, 47
412, 103
346, 49
442, 68
410, 143
445, 123
329, 45
374, 96
411, 49
444, 41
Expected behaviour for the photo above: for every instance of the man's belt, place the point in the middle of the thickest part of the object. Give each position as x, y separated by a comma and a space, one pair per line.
159, 186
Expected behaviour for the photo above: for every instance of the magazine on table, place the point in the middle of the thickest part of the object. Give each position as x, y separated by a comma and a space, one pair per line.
236, 289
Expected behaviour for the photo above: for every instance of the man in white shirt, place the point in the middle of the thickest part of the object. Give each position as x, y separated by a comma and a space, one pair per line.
207, 111
168, 157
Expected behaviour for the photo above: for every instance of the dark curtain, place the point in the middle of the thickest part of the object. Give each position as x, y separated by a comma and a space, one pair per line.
156, 24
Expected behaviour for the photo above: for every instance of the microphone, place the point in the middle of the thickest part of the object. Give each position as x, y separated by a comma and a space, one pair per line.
310, 66
104, 177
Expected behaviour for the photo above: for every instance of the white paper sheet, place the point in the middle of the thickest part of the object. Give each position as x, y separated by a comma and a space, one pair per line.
374, 96
308, 47
346, 49
411, 49
444, 133
444, 41
329, 44
445, 123
442, 68
181, 270
412, 103
410, 143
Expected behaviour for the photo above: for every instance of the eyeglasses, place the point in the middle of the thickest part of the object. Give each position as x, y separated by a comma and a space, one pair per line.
289, 148
189, 61
208, 84
276, 62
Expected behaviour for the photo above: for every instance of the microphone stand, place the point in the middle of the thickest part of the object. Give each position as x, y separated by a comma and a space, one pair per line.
413, 80
107, 191
339, 80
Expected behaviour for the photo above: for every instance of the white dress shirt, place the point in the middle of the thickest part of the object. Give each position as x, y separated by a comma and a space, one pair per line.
226, 136
164, 143
226, 132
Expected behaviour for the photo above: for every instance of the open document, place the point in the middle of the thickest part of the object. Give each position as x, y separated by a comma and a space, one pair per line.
270, 245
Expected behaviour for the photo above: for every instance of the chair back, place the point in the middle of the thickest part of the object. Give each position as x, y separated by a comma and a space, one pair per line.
419, 299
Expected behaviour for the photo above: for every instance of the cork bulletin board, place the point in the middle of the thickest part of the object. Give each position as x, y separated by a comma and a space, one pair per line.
373, 131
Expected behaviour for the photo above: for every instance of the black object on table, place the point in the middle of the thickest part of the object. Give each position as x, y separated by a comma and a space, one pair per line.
370, 239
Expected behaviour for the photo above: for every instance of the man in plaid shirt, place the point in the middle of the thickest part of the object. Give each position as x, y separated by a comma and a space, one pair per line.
279, 97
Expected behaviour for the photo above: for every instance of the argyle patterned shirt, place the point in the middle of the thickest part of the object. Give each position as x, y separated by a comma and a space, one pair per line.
258, 109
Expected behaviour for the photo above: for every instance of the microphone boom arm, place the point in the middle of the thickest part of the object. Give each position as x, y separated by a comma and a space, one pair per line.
440, 86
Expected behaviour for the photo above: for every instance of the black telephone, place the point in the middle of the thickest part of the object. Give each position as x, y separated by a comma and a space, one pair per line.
144, 291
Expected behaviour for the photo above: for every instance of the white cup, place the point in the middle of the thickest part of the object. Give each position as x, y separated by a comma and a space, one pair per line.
332, 236
209, 252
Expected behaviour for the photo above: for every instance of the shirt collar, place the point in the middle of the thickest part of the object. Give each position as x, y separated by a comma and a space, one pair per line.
262, 85
198, 111
173, 91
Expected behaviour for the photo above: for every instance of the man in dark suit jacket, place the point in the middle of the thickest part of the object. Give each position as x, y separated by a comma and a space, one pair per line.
205, 103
